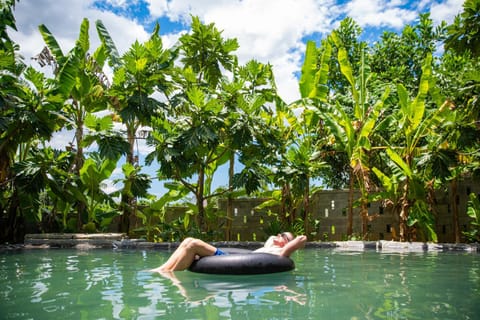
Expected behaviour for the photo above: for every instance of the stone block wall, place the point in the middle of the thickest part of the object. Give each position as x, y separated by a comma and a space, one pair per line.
330, 208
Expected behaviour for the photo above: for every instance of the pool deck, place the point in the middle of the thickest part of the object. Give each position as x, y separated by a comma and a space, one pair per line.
83, 241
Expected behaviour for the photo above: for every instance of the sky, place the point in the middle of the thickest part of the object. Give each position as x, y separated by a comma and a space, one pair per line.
269, 31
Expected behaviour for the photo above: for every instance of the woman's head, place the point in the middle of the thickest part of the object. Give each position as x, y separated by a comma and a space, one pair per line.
287, 236
282, 239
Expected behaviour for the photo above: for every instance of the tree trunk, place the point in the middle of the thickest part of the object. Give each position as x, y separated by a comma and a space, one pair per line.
200, 199
350, 206
231, 172
404, 208
306, 208
286, 210
128, 202
453, 201
14, 230
80, 205
364, 215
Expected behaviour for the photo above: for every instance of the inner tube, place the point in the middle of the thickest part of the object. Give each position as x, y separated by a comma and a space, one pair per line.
241, 261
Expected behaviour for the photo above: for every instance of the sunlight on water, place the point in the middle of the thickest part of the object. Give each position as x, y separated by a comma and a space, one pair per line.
108, 284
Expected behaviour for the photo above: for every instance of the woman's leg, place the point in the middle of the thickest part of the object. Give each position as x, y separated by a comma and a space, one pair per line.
185, 254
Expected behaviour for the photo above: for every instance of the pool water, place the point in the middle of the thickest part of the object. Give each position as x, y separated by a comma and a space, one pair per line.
327, 284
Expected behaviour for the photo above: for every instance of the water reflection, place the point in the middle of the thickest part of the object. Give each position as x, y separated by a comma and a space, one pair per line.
221, 290
333, 285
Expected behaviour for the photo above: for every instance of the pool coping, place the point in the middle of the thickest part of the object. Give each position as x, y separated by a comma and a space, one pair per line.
117, 241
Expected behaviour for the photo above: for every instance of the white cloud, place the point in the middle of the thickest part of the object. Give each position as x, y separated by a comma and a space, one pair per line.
268, 30
61, 139
63, 19
180, 10
108, 186
380, 13
445, 11
118, 3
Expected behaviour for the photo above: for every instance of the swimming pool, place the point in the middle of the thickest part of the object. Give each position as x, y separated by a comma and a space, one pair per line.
327, 284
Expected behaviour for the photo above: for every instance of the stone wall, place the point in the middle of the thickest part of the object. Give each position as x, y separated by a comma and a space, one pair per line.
248, 223
330, 208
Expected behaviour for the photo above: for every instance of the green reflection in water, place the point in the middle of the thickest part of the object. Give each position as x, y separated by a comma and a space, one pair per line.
108, 284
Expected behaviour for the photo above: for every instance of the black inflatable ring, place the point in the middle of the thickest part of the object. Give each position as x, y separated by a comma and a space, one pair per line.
239, 261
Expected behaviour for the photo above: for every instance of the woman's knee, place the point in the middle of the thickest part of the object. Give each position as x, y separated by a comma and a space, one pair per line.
186, 242
195, 243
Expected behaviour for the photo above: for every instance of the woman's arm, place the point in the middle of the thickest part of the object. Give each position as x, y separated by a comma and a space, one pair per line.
295, 244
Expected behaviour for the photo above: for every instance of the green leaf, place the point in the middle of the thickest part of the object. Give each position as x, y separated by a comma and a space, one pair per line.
322, 74
67, 74
100, 55
345, 66
112, 146
141, 64
371, 121
94, 171
83, 40
128, 169
140, 185
196, 96
473, 208
98, 124
52, 43
403, 98
313, 82
417, 109
186, 221
107, 167
400, 163
109, 44
384, 179
309, 69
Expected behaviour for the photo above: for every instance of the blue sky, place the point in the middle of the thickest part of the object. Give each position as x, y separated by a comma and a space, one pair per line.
271, 31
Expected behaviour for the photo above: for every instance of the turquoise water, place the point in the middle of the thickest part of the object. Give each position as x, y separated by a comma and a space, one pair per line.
108, 284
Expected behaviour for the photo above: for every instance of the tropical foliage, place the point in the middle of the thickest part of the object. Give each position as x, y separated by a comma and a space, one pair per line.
396, 120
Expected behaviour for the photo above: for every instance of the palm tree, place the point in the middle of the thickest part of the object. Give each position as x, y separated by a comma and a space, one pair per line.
81, 82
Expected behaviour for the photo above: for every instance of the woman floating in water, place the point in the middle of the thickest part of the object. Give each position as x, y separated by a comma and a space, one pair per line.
283, 244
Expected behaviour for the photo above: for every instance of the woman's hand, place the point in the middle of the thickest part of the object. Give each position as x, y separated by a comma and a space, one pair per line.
297, 243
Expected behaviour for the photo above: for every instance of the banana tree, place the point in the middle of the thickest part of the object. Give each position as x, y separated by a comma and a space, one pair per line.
415, 123
154, 213
293, 161
314, 92
81, 82
353, 133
